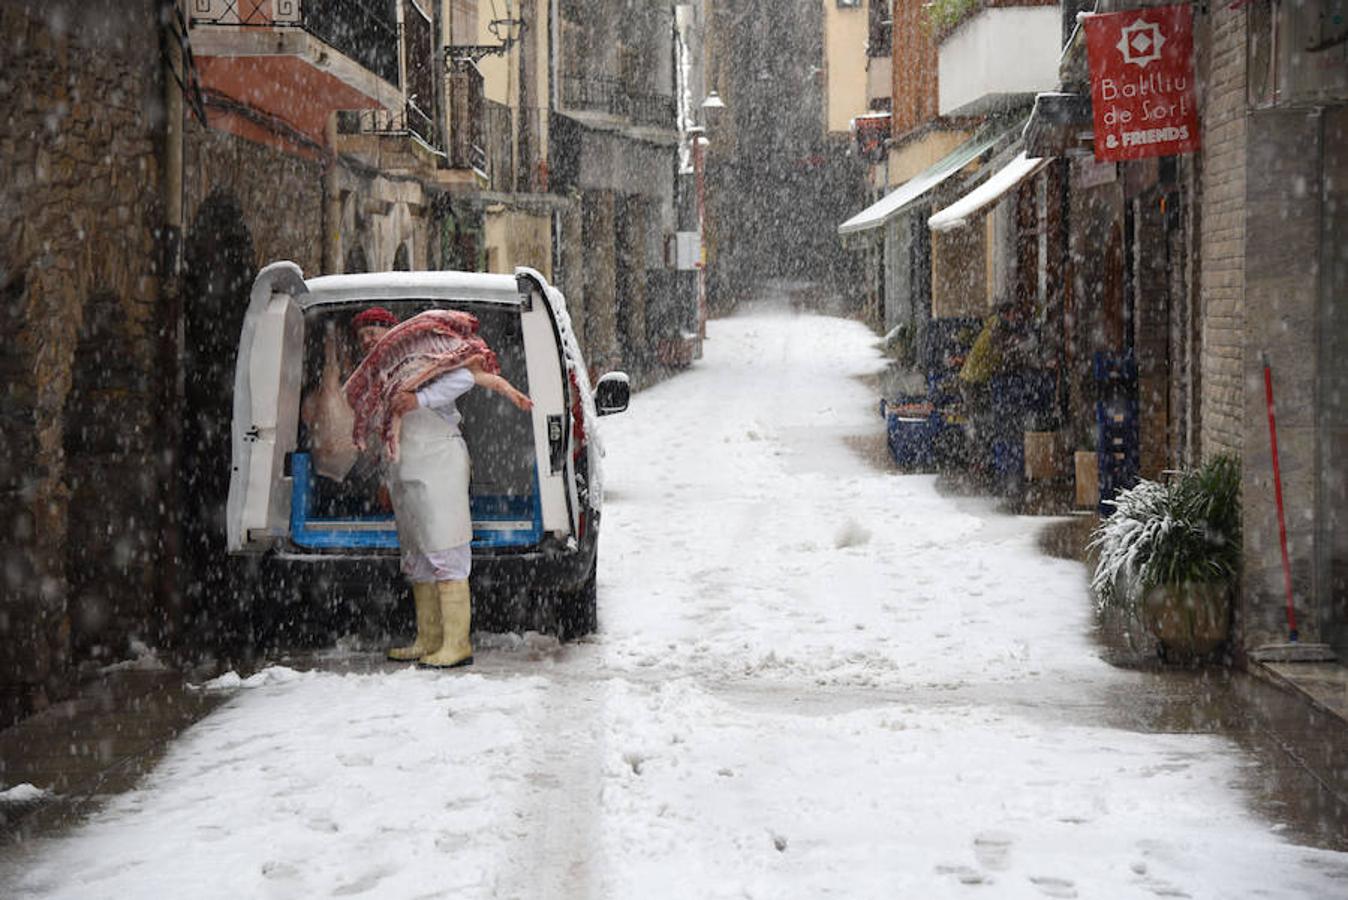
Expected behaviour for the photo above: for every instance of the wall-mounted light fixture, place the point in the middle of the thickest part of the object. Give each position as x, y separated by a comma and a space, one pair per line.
458, 54
712, 107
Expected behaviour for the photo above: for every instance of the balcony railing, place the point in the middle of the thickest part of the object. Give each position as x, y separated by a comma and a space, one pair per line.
419, 55
467, 136
612, 96
409, 121
364, 30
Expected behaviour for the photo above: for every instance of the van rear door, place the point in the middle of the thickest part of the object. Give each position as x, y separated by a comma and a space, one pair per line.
267, 381
547, 388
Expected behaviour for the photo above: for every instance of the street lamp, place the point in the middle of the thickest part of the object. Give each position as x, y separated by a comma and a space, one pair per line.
711, 109
697, 136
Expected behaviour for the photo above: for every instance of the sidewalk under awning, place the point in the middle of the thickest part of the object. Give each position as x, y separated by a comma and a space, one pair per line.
1005, 179
912, 190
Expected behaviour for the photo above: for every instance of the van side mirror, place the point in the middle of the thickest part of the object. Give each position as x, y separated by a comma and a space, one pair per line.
612, 393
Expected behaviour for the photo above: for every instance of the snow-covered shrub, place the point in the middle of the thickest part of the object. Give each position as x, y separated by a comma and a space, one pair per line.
1186, 530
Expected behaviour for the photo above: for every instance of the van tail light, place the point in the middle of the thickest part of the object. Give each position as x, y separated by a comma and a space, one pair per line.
578, 448
577, 417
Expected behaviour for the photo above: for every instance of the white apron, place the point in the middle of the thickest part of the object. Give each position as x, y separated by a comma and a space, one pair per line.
429, 485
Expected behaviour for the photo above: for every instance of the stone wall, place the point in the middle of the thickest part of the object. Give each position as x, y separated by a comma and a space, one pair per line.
246, 204
78, 218
1223, 231
1263, 177
518, 238
1282, 302
570, 277
630, 222
281, 195
1332, 380
601, 348
385, 221
94, 394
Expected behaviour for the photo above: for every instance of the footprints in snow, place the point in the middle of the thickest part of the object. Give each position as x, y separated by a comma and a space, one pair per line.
282, 871
635, 760
992, 851
366, 882
1054, 887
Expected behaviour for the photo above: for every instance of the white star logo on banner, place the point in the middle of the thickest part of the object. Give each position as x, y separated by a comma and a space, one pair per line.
1141, 43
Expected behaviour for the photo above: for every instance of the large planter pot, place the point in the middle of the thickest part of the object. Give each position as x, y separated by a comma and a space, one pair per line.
1191, 619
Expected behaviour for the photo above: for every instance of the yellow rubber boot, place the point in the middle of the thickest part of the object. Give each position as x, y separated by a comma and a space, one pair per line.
456, 613
430, 633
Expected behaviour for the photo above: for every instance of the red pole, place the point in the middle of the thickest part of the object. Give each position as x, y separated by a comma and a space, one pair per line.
1277, 493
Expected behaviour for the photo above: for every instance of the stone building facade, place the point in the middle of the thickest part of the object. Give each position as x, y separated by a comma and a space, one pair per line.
1273, 279
120, 340
245, 204
613, 149
83, 334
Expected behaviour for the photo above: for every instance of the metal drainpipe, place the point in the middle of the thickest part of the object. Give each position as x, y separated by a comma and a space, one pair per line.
554, 55
436, 224
173, 151
524, 150
332, 203
171, 335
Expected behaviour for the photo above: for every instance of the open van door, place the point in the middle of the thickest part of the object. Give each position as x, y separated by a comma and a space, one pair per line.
267, 382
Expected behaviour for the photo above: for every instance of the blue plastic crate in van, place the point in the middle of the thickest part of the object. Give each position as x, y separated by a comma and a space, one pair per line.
498, 521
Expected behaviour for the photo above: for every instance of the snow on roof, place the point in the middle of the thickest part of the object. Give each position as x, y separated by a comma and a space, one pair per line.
870, 117
1004, 179
478, 286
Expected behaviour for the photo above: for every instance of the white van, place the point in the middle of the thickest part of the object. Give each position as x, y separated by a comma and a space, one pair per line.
536, 492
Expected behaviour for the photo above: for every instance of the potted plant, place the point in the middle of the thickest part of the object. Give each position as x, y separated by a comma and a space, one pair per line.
1169, 553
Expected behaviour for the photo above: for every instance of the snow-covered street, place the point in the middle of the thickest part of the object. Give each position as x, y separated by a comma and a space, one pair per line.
812, 678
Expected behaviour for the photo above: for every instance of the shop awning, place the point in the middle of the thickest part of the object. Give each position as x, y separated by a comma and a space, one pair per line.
1005, 179
1060, 123
912, 190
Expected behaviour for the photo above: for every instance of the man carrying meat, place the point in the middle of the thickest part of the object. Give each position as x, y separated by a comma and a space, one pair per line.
405, 393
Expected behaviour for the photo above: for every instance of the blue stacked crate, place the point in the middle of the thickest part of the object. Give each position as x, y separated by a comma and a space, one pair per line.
948, 343
1118, 443
913, 439
1018, 398
924, 430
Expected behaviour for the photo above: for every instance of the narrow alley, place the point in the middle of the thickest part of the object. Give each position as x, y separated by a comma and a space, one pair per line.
814, 676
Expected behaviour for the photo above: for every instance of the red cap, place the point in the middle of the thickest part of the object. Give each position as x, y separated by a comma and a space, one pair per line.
375, 315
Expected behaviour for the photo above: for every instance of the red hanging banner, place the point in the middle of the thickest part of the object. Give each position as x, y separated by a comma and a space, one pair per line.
1142, 82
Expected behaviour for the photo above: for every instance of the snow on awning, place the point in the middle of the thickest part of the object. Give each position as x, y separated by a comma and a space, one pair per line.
957, 214
1060, 123
911, 190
